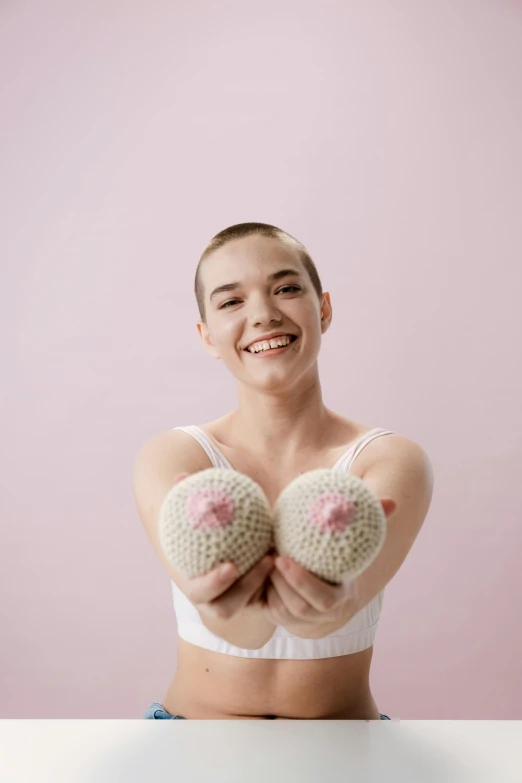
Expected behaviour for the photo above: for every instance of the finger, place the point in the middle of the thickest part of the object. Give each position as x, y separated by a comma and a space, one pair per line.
320, 596
278, 613
257, 596
389, 506
204, 589
253, 584
238, 596
294, 603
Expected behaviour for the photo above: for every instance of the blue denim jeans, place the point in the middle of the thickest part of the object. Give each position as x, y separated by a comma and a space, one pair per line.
157, 712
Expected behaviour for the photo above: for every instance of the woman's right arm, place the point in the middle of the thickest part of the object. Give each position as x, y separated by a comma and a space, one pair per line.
223, 602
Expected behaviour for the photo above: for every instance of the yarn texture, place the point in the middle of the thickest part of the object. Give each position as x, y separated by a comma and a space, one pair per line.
330, 523
215, 516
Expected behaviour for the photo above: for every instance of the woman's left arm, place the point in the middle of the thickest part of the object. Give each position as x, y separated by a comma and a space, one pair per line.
311, 608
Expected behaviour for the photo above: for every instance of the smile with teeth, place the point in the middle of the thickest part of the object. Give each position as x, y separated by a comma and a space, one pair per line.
267, 345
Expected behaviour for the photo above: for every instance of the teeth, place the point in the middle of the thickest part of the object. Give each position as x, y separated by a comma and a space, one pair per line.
265, 345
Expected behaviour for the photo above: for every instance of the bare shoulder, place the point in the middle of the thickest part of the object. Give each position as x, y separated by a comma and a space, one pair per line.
391, 447
174, 447
401, 453
392, 444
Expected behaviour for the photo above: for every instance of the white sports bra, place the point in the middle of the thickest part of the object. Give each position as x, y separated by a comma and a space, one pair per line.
358, 634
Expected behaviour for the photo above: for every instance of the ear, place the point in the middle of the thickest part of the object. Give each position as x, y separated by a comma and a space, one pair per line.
326, 312
206, 339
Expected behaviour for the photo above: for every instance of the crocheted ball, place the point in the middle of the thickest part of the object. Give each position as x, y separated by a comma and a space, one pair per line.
330, 523
215, 516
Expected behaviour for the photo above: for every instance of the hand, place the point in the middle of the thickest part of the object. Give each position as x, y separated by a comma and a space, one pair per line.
219, 593
304, 604
222, 596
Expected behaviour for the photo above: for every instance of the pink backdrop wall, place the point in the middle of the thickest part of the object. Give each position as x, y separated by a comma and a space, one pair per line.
385, 136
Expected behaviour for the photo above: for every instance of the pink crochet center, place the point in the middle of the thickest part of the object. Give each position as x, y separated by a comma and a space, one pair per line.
331, 512
209, 508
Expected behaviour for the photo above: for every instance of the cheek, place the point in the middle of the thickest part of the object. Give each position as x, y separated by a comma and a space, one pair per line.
309, 315
231, 330
227, 335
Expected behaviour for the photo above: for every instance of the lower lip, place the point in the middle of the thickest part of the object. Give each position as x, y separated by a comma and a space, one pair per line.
272, 351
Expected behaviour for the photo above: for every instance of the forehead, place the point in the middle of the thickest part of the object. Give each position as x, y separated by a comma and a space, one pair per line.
252, 257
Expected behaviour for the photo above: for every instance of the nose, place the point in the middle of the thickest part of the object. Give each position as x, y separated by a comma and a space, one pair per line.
264, 311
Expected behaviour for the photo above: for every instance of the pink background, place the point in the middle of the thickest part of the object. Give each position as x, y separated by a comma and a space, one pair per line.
387, 138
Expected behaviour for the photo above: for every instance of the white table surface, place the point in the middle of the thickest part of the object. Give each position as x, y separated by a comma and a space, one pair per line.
236, 751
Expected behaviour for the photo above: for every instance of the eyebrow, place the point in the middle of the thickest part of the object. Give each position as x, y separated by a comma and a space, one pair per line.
274, 276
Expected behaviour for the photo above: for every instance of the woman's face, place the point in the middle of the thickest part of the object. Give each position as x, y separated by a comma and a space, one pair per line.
260, 305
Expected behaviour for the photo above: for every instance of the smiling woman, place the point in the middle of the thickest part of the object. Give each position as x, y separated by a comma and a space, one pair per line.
278, 641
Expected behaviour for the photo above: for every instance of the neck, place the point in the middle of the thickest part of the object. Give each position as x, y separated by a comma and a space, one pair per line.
285, 424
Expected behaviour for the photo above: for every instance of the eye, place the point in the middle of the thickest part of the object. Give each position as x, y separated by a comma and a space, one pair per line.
230, 301
284, 288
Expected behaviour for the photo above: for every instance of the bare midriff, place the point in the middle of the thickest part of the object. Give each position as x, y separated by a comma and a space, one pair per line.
212, 686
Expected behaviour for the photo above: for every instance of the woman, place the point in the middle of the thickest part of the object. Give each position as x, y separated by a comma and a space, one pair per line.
278, 642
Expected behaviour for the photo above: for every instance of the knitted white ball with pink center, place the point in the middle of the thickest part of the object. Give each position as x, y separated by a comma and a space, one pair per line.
215, 516
330, 523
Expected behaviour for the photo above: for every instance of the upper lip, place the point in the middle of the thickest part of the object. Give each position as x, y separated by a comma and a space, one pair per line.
268, 337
